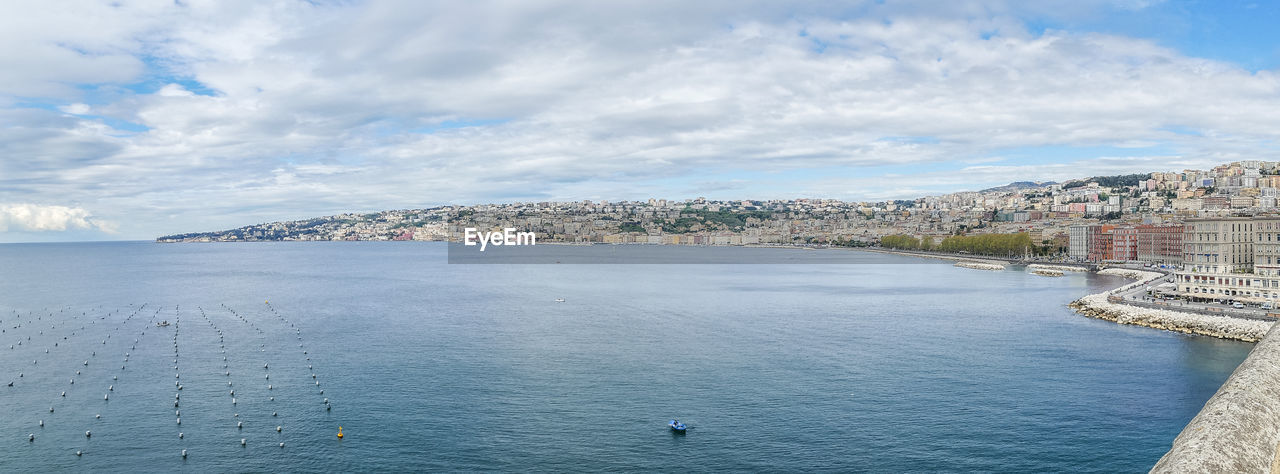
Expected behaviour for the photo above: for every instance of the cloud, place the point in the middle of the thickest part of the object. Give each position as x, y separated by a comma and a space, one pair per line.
38, 218
217, 114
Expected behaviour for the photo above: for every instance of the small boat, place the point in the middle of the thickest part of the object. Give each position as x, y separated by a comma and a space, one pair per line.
162, 324
559, 300
676, 426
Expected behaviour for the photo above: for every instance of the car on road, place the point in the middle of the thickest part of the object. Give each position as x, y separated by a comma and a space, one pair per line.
1237, 305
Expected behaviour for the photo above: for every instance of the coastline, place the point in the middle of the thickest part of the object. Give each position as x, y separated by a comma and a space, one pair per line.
1097, 306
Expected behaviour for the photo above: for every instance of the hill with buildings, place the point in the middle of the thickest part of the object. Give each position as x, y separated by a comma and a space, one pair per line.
1047, 212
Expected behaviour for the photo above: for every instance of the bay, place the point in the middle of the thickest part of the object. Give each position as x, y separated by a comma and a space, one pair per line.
866, 363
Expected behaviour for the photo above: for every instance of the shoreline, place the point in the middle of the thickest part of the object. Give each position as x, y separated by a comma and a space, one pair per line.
1097, 306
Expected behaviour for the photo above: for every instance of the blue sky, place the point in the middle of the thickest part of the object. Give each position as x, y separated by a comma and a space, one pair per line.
128, 120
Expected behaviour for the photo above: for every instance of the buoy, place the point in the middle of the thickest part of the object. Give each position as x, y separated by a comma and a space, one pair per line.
339, 432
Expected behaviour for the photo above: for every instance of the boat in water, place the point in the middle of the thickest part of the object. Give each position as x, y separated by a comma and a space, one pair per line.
676, 426
162, 324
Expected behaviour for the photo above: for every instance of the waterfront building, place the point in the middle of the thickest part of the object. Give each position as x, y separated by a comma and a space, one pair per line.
1124, 244
1101, 242
1160, 244
1218, 245
1078, 241
1220, 255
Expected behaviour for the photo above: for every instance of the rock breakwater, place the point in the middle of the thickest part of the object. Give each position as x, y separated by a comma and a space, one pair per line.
1100, 306
981, 265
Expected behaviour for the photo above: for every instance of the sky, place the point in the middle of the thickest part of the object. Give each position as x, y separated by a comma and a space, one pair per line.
132, 119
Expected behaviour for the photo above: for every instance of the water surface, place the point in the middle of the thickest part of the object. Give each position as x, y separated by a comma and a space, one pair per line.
871, 364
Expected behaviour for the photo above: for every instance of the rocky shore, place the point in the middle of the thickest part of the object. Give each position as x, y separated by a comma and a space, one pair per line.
981, 265
1225, 327
1060, 268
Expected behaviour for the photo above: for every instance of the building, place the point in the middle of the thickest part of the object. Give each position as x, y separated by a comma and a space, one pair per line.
1078, 241
1124, 244
1101, 243
1160, 244
1219, 256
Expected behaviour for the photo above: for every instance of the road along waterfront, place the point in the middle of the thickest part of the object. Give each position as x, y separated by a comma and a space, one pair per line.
1109, 306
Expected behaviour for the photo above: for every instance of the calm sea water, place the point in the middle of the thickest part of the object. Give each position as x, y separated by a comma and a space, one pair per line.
874, 365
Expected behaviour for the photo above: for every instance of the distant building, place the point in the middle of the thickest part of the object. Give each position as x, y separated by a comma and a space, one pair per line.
1078, 241
1160, 244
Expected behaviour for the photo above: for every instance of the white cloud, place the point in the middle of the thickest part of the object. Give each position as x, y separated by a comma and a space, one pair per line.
38, 218
75, 109
317, 108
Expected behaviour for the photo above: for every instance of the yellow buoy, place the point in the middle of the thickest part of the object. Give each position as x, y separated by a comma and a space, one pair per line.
339, 432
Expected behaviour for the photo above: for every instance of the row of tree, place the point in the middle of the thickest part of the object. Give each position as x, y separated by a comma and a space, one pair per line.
982, 244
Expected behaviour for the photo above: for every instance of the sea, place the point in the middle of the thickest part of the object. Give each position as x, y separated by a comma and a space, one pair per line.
828, 360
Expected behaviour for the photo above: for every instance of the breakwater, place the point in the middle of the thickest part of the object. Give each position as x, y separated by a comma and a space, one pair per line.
1099, 306
993, 266
1060, 268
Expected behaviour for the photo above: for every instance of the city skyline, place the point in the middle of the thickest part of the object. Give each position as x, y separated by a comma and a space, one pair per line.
129, 120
